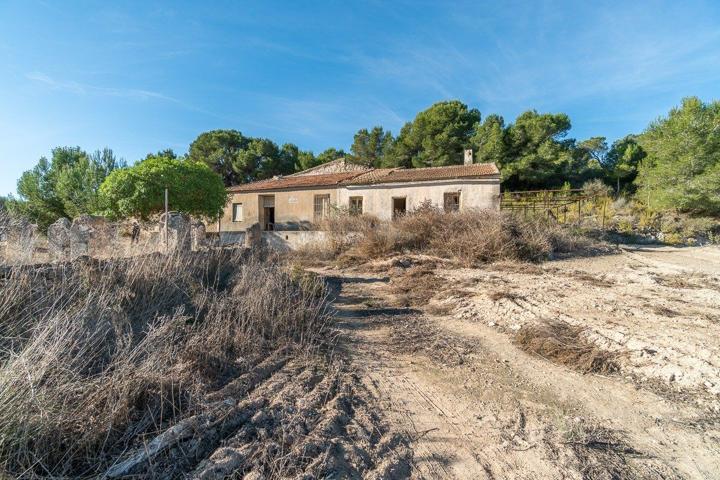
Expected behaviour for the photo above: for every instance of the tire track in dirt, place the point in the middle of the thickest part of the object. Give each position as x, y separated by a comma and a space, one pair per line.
293, 415
454, 434
501, 413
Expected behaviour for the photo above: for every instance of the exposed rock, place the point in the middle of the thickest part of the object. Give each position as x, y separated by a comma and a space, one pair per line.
179, 235
91, 235
20, 237
58, 236
253, 236
199, 238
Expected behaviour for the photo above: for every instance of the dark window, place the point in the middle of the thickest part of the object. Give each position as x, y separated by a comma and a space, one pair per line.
452, 201
356, 205
399, 207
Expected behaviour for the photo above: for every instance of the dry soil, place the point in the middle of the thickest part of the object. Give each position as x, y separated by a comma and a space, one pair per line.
437, 349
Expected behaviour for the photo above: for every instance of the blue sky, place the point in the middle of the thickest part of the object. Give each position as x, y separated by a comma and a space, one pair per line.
143, 76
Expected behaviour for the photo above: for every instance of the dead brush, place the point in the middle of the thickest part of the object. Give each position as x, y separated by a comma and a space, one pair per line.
688, 281
505, 295
96, 354
469, 237
416, 286
599, 451
598, 281
565, 344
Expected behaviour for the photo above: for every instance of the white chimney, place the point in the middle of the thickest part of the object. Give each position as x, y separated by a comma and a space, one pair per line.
468, 156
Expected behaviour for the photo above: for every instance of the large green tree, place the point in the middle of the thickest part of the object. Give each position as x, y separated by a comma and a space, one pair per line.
221, 150
241, 159
370, 147
268, 159
622, 162
436, 137
489, 140
682, 167
67, 185
538, 155
78, 184
138, 191
586, 162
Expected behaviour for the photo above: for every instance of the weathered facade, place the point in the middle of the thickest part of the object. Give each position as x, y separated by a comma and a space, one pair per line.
297, 202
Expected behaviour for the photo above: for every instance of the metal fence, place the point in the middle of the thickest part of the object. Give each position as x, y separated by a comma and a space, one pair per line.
561, 205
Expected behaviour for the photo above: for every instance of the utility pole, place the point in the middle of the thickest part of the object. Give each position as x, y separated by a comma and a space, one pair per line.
167, 244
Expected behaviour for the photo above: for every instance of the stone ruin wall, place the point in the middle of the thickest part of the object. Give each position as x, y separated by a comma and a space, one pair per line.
96, 237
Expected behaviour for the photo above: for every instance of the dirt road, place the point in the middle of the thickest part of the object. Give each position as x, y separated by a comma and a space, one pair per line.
436, 347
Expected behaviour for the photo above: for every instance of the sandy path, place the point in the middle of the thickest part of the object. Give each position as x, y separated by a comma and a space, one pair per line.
490, 410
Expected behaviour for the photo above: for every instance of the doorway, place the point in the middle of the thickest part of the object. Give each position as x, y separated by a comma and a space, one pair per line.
269, 218
267, 212
399, 207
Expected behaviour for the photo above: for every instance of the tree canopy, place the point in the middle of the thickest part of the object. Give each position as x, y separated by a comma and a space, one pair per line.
622, 162
221, 151
139, 190
534, 153
489, 140
67, 185
436, 137
240, 159
682, 166
674, 163
369, 148
537, 153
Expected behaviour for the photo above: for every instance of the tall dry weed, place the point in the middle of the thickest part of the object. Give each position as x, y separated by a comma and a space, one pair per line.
470, 237
96, 354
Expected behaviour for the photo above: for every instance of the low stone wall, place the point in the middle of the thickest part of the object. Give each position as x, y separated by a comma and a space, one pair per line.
283, 240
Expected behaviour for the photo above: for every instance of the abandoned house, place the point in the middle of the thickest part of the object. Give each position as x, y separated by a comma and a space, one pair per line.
299, 201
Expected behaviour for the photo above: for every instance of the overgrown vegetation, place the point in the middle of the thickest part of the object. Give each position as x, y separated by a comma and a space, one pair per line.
468, 237
95, 355
66, 185
682, 168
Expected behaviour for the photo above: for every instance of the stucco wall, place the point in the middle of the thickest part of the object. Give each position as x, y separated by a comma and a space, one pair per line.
294, 209
377, 199
284, 241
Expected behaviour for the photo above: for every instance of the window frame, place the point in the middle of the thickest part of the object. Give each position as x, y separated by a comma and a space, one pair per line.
359, 201
321, 208
234, 212
395, 214
456, 206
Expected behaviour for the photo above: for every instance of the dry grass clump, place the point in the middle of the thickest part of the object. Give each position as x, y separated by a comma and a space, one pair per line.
505, 295
690, 280
600, 451
596, 280
96, 354
470, 237
416, 286
563, 343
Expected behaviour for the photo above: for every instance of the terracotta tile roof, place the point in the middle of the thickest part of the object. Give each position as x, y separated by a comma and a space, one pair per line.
392, 175
371, 177
279, 183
